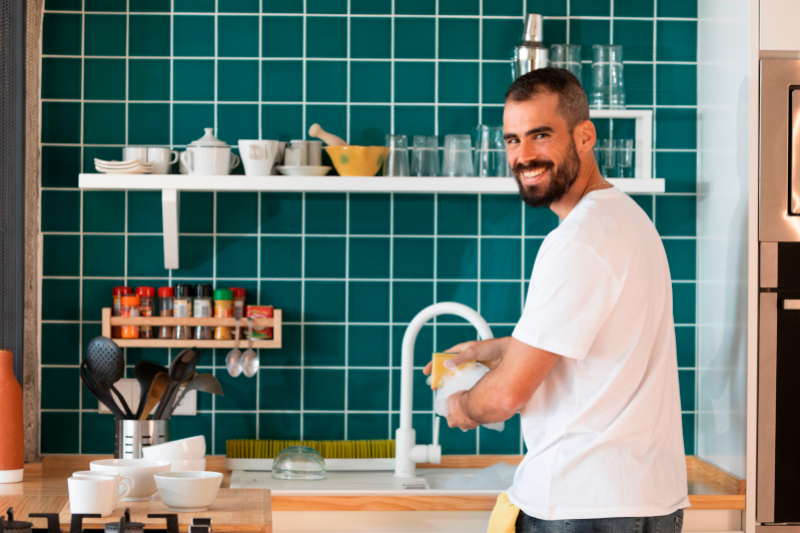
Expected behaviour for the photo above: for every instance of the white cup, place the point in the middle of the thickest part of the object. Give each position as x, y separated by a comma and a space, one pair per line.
209, 160
118, 479
296, 153
163, 158
258, 157
314, 153
94, 495
129, 153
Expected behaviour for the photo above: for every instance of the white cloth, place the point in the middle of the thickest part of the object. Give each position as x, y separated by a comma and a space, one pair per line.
603, 430
457, 380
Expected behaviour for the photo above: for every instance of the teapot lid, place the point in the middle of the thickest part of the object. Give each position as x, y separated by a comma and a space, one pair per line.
208, 139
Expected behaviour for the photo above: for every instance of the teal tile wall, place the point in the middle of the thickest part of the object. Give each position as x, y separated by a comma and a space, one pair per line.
349, 270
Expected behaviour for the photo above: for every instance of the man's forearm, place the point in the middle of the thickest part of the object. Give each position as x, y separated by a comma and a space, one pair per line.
484, 403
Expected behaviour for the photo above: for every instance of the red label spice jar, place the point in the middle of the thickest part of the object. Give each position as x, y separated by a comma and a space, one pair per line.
165, 295
238, 301
130, 309
146, 299
116, 307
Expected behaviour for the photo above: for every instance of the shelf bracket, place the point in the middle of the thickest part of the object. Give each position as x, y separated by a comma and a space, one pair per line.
170, 213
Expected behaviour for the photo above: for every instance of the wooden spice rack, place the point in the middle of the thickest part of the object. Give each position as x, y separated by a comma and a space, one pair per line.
157, 321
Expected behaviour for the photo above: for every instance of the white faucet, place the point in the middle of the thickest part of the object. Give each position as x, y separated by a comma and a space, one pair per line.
407, 452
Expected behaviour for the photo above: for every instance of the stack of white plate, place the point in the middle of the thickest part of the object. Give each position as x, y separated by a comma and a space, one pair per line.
134, 166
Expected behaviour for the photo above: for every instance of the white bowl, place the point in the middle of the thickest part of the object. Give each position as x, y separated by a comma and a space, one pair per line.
191, 448
305, 170
188, 465
188, 491
140, 470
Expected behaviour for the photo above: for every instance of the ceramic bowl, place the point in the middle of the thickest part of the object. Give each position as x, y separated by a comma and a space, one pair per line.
140, 470
188, 491
191, 448
357, 160
187, 465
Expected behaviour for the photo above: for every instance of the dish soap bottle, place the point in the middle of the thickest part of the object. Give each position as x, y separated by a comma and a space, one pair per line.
12, 461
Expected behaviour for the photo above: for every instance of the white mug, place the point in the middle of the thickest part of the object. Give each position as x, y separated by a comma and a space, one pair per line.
94, 495
258, 157
297, 153
314, 153
163, 158
209, 160
118, 479
129, 153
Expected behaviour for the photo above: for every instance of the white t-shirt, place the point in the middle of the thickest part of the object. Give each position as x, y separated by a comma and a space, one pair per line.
603, 430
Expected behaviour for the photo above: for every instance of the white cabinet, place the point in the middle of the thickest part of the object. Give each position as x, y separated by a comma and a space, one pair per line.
780, 25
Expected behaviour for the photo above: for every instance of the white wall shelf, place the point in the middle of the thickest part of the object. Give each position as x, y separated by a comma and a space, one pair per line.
171, 184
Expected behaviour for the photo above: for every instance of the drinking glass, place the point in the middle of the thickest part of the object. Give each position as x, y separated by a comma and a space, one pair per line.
490, 153
396, 163
566, 56
608, 86
425, 156
457, 156
609, 147
625, 158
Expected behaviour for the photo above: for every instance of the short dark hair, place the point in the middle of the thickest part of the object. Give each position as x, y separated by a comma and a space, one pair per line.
572, 101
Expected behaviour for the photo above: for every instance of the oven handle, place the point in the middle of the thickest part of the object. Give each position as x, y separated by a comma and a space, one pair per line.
791, 305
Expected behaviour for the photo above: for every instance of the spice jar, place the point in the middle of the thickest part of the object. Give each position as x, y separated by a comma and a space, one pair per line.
238, 301
182, 308
146, 299
165, 295
130, 309
202, 309
223, 308
116, 308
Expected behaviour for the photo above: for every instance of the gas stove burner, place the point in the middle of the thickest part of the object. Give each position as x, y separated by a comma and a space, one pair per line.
124, 525
13, 526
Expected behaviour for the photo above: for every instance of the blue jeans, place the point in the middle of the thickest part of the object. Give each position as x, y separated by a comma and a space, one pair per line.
671, 523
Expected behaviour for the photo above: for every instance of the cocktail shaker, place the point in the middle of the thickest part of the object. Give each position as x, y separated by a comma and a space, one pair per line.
530, 53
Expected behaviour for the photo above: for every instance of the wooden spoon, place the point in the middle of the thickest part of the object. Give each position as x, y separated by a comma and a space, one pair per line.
157, 388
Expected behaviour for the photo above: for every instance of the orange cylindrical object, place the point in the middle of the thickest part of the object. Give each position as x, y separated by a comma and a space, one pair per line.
130, 308
11, 437
223, 309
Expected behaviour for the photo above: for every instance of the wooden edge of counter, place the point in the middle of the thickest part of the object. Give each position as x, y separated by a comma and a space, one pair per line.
720, 476
32, 469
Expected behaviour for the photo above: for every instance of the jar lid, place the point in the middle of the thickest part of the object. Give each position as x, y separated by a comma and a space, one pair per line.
165, 292
182, 290
145, 292
202, 290
223, 294
238, 292
130, 300
121, 291
208, 139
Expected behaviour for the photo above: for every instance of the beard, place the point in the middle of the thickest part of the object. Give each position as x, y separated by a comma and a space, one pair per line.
561, 178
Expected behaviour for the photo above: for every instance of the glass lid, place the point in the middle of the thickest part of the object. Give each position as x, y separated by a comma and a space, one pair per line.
298, 463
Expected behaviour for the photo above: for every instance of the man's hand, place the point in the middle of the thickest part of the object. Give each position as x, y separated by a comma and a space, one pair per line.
457, 418
489, 353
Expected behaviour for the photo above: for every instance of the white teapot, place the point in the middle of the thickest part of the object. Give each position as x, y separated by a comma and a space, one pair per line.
208, 156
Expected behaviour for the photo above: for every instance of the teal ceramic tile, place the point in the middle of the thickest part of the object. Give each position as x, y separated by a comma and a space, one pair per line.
503, 8
189, 120
491, 116
589, 8
676, 40
324, 301
104, 211
237, 121
422, 349
285, 295
368, 346
370, 81
685, 342
450, 335
105, 35
327, 81
97, 433
279, 388
325, 257
676, 84
282, 6
501, 214
159, 356
146, 256
61, 344
326, 6
633, 8
282, 81
237, 212
61, 34
60, 388
457, 214
182, 427
61, 122
686, 379
423, 396
588, 32
456, 258
683, 302
61, 210
148, 124
63, 5
414, 120
367, 426
60, 166
144, 212
99, 152
688, 433
495, 83
326, 37
422, 424
238, 6
415, 7
96, 295
679, 169
238, 36
195, 257
682, 257
194, 36
317, 426
456, 442
458, 83
324, 345
89, 332
368, 390
105, 5
547, 7
323, 389
506, 442
678, 8
414, 38
237, 81
409, 298
369, 125
676, 128
371, 7
413, 258
464, 292
371, 37
326, 213
150, 35
193, 80
103, 123
228, 426
555, 32
532, 247
636, 37
281, 212
501, 258
414, 82
151, 6
197, 212
458, 38
60, 433
282, 122
88, 401
282, 37
501, 301
639, 84
676, 216
459, 7
149, 79
370, 214
413, 214
279, 426
240, 394
237, 257
59, 79
499, 37
61, 255
368, 301
103, 255
457, 120
369, 257
333, 116
539, 220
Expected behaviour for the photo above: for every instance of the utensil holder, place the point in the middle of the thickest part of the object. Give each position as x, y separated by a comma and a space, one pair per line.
130, 436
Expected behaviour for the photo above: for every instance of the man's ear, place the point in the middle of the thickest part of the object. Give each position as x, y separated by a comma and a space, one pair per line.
585, 136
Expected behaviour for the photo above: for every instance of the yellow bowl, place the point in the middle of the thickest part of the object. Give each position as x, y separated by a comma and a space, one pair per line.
357, 160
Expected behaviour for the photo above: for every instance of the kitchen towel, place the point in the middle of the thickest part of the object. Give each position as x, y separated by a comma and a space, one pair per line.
504, 516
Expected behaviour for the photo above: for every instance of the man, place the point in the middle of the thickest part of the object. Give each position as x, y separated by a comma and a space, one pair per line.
591, 366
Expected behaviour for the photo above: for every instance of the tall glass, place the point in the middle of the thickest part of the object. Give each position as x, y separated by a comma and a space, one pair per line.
566, 56
609, 148
396, 163
457, 156
625, 158
490, 153
425, 156
608, 85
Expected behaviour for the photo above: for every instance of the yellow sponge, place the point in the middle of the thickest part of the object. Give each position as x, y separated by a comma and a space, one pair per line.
438, 369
